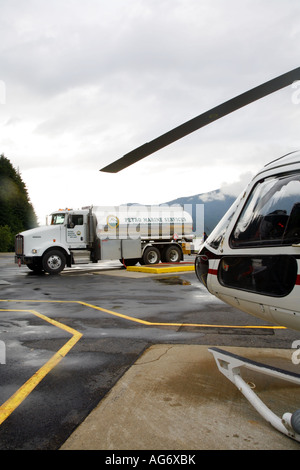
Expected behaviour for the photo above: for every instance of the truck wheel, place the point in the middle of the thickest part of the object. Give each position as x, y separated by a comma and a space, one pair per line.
54, 261
151, 255
172, 254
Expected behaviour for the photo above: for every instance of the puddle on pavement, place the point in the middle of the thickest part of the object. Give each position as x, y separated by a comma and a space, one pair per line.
173, 280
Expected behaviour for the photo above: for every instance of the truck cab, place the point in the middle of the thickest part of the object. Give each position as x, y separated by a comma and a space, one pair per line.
49, 248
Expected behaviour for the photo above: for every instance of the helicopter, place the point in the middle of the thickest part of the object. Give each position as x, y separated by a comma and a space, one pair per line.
251, 260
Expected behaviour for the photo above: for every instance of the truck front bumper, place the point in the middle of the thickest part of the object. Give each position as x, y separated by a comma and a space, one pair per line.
27, 260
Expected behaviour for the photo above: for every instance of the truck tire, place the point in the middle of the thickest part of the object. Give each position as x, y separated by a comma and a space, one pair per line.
151, 255
54, 261
172, 254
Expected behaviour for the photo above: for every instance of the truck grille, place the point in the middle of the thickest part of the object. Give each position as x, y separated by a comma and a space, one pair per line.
19, 245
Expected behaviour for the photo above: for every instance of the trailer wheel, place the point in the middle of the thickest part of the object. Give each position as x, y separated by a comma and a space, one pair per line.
54, 261
172, 254
151, 255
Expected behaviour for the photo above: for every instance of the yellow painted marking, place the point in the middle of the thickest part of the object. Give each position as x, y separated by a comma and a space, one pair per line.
16, 399
148, 323
159, 270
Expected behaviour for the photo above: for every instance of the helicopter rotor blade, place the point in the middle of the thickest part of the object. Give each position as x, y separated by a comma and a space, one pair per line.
203, 119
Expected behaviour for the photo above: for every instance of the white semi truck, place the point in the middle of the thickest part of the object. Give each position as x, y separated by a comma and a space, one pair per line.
131, 234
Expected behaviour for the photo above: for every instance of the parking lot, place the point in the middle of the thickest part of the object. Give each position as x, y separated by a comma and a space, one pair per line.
70, 339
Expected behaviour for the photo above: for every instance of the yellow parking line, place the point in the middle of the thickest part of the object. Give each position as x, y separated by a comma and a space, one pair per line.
160, 269
16, 399
148, 323
202, 325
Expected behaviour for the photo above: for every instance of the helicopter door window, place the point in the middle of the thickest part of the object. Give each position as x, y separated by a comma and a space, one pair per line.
268, 275
271, 215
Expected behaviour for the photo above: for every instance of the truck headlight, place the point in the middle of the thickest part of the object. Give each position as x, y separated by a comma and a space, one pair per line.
34, 251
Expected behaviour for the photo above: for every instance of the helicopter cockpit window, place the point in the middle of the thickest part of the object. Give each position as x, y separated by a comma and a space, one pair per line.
219, 231
271, 215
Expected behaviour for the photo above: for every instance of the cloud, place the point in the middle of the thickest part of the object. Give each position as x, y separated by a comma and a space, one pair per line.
236, 187
86, 82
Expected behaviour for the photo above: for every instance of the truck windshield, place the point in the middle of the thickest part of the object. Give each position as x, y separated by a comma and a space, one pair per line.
57, 219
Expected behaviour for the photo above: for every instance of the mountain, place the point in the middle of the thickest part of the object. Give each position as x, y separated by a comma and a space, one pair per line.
206, 209
211, 206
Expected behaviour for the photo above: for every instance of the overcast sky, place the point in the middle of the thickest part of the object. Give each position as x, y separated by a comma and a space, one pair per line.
84, 82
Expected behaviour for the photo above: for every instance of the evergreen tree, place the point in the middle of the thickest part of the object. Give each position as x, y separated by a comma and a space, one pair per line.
16, 211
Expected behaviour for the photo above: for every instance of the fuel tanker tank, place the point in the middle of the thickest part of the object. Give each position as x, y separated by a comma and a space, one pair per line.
144, 222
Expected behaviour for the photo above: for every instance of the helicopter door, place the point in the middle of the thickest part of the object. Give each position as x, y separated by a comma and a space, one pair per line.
270, 218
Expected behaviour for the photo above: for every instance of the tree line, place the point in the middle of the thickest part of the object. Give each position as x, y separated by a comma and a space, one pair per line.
16, 211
